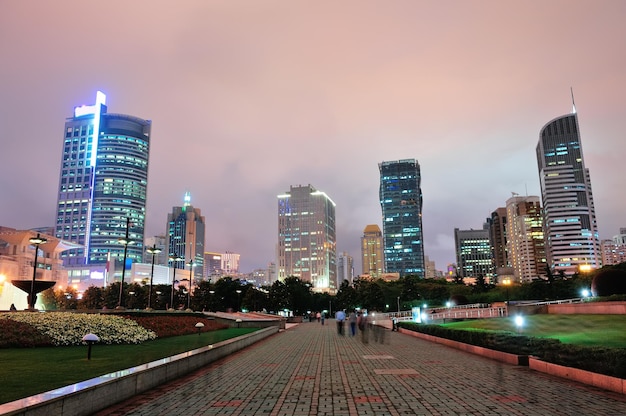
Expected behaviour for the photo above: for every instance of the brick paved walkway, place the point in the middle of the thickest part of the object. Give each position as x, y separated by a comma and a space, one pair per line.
310, 370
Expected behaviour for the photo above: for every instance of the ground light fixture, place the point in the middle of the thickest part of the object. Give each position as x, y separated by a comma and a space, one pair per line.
90, 339
519, 322
199, 327
36, 241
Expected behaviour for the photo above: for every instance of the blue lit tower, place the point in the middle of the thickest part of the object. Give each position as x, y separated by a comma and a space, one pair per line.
186, 228
401, 204
570, 228
102, 185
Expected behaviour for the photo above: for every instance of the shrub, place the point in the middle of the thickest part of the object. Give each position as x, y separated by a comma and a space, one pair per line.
171, 325
15, 334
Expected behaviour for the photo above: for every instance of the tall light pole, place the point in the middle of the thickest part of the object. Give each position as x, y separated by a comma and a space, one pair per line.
398, 304
36, 241
190, 284
238, 301
174, 258
152, 250
125, 241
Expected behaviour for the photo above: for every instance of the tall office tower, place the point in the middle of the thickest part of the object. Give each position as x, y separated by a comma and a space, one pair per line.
570, 227
497, 234
372, 256
473, 253
525, 242
431, 271
102, 185
306, 238
185, 233
401, 204
345, 268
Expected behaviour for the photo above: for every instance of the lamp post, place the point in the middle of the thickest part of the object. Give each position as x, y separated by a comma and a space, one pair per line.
238, 301
398, 304
211, 293
36, 241
125, 241
190, 284
152, 250
174, 258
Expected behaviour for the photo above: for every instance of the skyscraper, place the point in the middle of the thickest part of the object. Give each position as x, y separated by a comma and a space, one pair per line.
185, 232
306, 238
473, 253
345, 268
571, 231
372, 256
525, 240
102, 185
401, 204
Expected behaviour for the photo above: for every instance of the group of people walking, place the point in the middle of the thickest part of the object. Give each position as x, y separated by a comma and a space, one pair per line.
358, 322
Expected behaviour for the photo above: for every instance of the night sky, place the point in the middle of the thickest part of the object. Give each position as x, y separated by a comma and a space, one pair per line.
250, 97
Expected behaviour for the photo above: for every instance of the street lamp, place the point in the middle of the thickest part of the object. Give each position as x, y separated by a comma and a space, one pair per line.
125, 241
507, 282
190, 284
36, 241
398, 304
152, 250
211, 292
174, 258
238, 301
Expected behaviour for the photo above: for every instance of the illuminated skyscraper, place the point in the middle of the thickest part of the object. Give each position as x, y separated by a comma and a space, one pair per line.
185, 233
401, 203
306, 238
372, 256
525, 240
473, 253
102, 184
571, 231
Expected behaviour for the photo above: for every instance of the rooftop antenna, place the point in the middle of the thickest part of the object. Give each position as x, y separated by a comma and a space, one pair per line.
573, 103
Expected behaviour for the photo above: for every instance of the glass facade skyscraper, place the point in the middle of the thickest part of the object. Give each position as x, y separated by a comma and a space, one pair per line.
102, 185
186, 235
401, 203
571, 232
306, 238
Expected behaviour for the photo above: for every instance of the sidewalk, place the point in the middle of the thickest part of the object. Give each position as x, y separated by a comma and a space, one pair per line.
310, 370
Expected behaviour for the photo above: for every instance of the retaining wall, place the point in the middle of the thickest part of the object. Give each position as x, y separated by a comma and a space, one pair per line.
93, 395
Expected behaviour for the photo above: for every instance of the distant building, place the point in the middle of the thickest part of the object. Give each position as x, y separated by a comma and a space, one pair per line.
570, 227
372, 256
498, 228
17, 262
306, 238
431, 272
230, 263
473, 253
401, 204
185, 237
160, 241
213, 265
614, 251
345, 268
525, 245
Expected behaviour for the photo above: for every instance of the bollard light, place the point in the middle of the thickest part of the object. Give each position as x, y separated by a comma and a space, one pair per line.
90, 339
199, 327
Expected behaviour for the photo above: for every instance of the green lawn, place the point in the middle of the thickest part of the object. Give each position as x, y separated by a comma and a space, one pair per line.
28, 371
587, 330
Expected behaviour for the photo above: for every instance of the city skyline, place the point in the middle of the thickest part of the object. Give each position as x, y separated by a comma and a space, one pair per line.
247, 100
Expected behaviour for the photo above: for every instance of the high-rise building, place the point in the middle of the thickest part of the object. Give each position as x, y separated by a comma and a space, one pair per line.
213, 265
613, 252
497, 232
185, 233
372, 256
306, 238
570, 227
102, 185
525, 240
345, 268
230, 263
473, 253
401, 203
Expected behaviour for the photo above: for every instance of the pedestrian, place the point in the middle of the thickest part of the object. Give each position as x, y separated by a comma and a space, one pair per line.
340, 317
362, 324
322, 317
394, 324
318, 316
13, 308
352, 320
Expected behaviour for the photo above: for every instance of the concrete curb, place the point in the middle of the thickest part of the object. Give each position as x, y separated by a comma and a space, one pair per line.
589, 378
96, 394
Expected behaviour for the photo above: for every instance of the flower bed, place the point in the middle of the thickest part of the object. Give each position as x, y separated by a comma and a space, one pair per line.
171, 326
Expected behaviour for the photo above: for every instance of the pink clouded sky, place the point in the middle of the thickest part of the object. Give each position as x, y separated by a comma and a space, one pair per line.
250, 97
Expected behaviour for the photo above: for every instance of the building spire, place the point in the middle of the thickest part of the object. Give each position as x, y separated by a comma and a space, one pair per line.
573, 103
187, 199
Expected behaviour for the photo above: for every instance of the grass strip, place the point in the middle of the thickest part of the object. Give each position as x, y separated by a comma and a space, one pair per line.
29, 371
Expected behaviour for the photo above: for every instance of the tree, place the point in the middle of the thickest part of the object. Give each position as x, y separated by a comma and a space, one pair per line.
93, 298
346, 297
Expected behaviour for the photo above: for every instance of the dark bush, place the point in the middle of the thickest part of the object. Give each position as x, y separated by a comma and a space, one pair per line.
14, 334
607, 361
457, 300
609, 282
